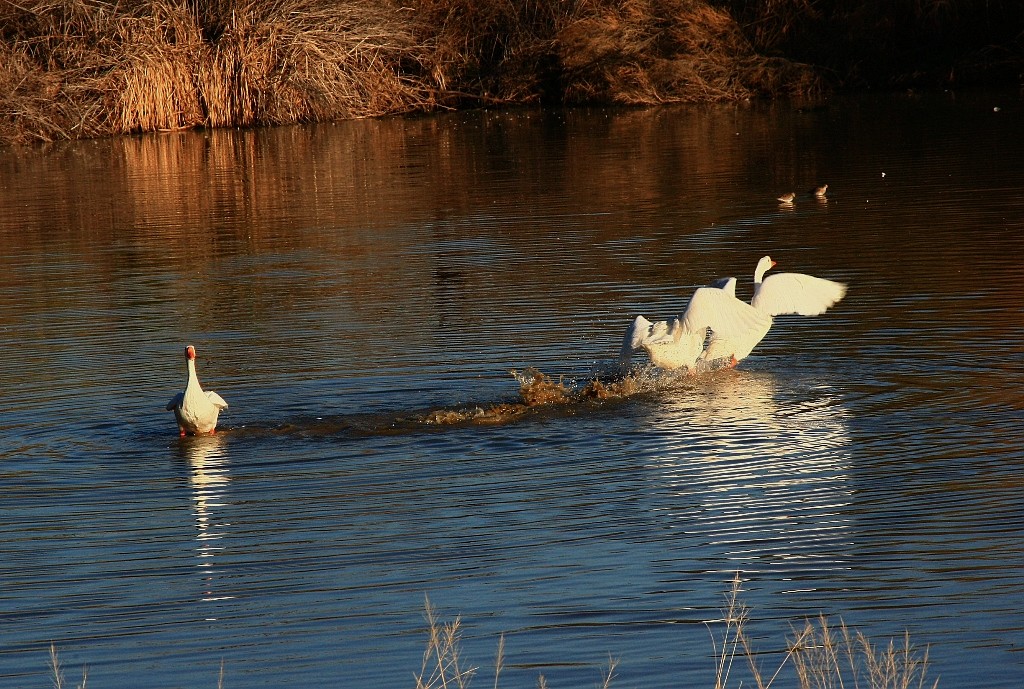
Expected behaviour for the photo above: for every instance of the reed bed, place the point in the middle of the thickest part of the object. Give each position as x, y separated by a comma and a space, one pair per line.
641, 52
75, 68
79, 68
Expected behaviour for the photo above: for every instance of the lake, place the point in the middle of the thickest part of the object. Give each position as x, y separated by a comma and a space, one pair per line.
352, 287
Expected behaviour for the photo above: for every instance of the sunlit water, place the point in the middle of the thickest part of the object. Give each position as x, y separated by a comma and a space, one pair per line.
342, 282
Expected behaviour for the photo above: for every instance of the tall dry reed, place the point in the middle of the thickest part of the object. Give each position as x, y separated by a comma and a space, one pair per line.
57, 671
442, 659
823, 657
827, 657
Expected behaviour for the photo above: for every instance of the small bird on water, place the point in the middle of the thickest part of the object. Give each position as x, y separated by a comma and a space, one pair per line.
819, 192
787, 198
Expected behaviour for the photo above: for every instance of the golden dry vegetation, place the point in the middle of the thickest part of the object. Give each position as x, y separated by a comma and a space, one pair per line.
82, 68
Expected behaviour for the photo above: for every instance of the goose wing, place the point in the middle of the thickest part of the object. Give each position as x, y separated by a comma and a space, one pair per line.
636, 333
727, 316
217, 400
806, 295
175, 401
728, 285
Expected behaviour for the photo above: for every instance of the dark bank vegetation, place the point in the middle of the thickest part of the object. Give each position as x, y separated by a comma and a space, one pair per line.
79, 68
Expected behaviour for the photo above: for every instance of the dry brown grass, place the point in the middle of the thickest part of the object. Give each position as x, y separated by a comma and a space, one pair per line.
490, 51
57, 671
71, 68
309, 60
823, 657
661, 51
442, 659
84, 67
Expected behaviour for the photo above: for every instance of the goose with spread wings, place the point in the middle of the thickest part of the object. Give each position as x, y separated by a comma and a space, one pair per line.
679, 343
775, 295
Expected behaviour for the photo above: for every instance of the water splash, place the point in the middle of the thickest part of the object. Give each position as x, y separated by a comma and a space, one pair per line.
540, 395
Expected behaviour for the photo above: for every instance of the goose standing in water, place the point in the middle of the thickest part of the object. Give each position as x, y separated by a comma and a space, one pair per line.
679, 343
775, 295
195, 409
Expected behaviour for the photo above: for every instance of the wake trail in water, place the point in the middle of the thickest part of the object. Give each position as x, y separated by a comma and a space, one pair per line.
539, 396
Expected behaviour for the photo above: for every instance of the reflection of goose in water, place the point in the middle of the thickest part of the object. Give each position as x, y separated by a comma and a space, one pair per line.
753, 479
208, 478
195, 409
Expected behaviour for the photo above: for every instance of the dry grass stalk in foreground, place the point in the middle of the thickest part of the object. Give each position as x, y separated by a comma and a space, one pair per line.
736, 642
58, 672
824, 658
441, 659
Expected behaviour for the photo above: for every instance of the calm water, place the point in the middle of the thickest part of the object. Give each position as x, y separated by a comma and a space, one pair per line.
342, 281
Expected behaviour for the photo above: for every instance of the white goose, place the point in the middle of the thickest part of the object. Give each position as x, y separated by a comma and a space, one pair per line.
195, 409
778, 294
679, 343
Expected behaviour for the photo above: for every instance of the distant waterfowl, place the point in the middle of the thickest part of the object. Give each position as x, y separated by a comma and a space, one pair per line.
679, 343
778, 294
195, 409
787, 199
819, 192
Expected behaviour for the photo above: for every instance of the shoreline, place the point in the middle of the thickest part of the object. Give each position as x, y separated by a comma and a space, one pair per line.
87, 68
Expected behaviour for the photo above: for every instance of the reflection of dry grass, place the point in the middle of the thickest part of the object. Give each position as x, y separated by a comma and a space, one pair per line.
824, 658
